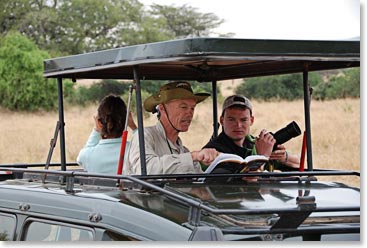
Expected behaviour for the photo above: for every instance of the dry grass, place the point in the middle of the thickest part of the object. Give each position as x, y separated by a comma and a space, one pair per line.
25, 137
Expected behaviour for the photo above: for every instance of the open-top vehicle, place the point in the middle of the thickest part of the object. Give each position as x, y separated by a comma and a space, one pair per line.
76, 205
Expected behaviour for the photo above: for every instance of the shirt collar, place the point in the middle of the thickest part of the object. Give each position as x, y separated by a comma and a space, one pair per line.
110, 141
163, 133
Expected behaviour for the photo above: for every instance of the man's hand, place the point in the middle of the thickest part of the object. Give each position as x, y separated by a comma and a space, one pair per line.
205, 156
264, 143
131, 122
279, 154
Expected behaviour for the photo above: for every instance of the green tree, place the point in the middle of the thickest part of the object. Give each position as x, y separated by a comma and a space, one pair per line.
22, 86
77, 26
36, 19
185, 21
97, 24
72, 26
12, 13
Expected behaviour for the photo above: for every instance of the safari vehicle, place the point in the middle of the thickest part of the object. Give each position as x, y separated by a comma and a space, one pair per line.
66, 204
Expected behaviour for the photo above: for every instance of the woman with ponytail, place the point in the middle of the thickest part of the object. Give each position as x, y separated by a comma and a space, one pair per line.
101, 152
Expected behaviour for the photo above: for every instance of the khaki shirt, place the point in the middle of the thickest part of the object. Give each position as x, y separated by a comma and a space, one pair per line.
161, 155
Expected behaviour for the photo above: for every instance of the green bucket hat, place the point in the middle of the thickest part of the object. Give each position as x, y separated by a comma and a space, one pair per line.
172, 91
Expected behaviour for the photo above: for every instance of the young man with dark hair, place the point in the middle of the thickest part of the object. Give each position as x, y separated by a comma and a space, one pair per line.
236, 120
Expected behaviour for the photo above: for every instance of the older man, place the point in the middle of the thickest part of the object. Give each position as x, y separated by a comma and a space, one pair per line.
164, 152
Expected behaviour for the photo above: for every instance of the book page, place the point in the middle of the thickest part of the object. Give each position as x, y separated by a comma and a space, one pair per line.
223, 157
229, 157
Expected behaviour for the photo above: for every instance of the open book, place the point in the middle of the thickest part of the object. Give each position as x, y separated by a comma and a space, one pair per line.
232, 163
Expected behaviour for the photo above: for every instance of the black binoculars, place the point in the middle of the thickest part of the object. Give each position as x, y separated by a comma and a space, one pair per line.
286, 133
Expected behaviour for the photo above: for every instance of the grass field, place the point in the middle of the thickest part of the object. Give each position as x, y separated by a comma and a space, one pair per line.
25, 137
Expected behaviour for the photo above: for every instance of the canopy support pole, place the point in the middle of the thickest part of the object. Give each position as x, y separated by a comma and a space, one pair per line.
139, 110
215, 109
61, 123
306, 97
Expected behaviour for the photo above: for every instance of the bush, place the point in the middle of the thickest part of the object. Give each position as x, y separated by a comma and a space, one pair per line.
144, 95
97, 91
22, 86
344, 84
288, 87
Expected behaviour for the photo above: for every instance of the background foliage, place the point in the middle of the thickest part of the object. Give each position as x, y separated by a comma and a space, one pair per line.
341, 84
78, 26
22, 86
33, 30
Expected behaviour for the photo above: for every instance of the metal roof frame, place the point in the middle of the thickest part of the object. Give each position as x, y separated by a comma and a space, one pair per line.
204, 60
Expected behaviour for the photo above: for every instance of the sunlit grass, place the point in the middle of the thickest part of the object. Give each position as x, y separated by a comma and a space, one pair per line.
25, 137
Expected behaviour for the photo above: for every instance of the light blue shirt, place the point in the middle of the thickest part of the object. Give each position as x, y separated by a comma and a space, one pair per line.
101, 155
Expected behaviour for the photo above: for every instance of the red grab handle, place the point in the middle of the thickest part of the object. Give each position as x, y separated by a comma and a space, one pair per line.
122, 152
303, 153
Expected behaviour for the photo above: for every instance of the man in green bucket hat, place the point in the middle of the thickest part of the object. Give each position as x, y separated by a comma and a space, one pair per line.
165, 154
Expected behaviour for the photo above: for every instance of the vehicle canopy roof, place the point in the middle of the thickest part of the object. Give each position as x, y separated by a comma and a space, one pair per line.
207, 59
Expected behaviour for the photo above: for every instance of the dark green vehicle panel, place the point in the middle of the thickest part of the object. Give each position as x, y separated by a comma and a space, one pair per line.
246, 210
54, 203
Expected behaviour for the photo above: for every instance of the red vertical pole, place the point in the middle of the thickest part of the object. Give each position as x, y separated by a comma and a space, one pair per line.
122, 152
124, 135
303, 153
